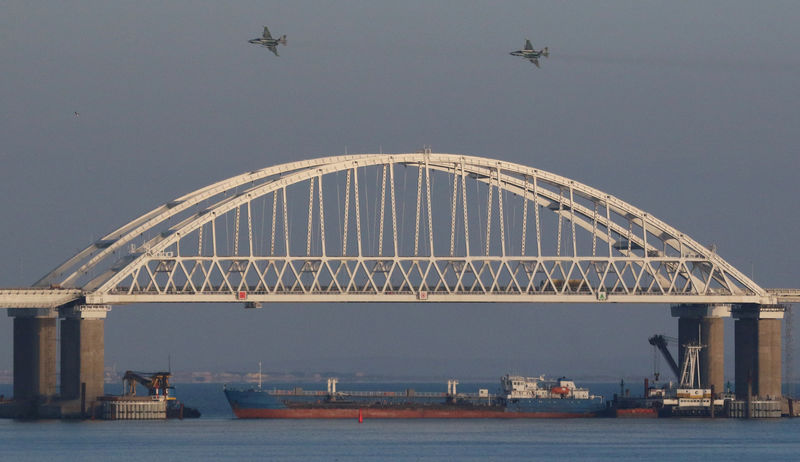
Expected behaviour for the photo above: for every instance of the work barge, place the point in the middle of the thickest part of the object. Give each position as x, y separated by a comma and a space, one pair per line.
158, 403
692, 397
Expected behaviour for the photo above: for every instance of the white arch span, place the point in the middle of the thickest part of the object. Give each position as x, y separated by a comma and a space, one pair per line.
566, 242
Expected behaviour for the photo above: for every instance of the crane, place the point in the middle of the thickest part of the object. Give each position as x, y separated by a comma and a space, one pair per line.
157, 383
660, 341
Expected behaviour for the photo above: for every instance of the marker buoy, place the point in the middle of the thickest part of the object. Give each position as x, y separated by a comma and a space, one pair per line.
360, 417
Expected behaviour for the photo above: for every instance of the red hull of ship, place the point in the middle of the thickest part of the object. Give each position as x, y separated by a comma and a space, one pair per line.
396, 414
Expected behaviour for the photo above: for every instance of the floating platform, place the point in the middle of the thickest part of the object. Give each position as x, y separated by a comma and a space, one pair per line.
132, 407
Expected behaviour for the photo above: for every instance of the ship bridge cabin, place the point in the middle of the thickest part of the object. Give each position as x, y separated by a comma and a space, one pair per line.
515, 386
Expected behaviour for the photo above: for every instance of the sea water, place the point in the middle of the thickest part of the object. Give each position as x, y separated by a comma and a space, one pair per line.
218, 435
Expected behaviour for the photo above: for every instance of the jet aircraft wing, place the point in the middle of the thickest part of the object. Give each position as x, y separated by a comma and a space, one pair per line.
528, 45
536, 62
274, 49
267, 35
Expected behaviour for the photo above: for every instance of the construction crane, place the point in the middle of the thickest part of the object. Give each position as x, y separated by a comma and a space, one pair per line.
660, 341
157, 383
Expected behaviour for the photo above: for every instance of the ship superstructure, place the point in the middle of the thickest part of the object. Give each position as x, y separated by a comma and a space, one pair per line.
516, 386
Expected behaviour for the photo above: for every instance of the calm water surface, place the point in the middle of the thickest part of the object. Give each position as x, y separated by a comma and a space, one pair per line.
219, 436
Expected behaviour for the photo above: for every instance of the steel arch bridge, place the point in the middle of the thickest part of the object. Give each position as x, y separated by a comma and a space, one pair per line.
397, 228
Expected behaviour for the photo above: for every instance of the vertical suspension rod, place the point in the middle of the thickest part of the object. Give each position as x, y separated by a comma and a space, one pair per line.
608, 226
346, 213
250, 228
274, 218
358, 208
594, 231
464, 205
536, 215
644, 234
285, 221
383, 206
321, 215
310, 215
394, 209
572, 219
524, 216
214, 235
453, 206
500, 213
428, 196
200, 242
236, 231
560, 219
419, 205
489, 217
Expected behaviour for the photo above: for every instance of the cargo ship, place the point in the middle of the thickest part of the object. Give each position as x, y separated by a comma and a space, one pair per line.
518, 397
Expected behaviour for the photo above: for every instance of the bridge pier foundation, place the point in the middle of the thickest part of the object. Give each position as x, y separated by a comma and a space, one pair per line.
82, 356
758, 351
34, 353
704, 324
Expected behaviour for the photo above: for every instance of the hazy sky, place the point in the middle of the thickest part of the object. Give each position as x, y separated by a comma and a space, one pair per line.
688, 110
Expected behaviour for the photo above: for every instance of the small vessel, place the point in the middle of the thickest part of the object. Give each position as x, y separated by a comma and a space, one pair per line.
518, 397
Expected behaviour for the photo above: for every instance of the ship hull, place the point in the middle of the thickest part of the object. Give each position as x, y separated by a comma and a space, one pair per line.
320, 413
262, 404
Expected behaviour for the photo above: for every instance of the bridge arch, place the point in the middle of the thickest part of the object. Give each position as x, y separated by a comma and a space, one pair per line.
457, 228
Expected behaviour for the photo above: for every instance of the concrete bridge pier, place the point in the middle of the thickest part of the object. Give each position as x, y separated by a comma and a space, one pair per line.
758, 351
82, 356
704, 323
34, 353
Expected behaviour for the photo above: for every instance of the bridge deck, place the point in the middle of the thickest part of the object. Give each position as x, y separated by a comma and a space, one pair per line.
53, 298
30, 297
785, 295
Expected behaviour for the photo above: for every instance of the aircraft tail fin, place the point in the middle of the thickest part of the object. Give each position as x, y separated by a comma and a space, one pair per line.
546, 52
282, 40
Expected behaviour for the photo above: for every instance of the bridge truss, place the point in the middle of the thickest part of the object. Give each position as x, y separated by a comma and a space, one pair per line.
397, 228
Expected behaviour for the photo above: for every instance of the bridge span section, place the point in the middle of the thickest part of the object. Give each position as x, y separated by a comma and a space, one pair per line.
422, 227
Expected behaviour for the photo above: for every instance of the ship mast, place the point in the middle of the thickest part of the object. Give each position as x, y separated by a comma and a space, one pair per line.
691, 364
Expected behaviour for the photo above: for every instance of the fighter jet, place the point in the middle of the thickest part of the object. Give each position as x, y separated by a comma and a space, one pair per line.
266, 40
530, 54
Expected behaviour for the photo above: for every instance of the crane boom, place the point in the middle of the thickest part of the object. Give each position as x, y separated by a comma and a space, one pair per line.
157, 383
660, 342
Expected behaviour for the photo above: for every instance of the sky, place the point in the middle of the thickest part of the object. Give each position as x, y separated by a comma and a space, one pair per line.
688, 110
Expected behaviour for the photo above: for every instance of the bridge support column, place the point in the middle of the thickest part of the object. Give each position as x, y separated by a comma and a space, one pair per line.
82, 355
704, 324
34, 353
758, 351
